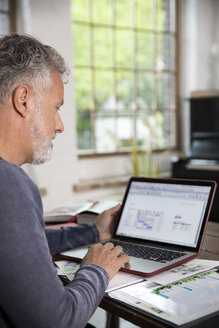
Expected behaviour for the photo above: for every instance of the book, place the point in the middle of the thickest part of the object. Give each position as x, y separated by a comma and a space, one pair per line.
66, 213
60, 225
90, 214
79, 212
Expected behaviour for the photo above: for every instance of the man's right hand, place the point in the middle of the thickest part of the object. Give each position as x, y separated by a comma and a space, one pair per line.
107, 256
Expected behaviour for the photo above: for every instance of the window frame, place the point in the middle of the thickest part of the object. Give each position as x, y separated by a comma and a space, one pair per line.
11, 13
93, 153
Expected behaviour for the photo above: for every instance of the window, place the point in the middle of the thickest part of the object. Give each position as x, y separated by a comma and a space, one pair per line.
6, 19
125, 74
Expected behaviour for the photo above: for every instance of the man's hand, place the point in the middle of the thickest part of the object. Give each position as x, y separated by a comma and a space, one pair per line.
106, 222
107, 256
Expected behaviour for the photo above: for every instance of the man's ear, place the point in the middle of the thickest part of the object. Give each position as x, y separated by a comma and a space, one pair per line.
20, 100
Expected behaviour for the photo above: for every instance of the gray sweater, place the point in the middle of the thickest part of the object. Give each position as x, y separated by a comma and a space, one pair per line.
31, 294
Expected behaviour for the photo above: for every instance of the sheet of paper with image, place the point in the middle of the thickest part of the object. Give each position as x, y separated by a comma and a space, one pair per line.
183, 271
68, 268
121, 279
134, 296
180, 302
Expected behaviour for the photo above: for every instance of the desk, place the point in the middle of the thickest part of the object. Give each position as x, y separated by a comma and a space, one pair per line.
210, 251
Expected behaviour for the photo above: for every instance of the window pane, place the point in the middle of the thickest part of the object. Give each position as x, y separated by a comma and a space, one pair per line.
150, 130
84, 128
104, 90
169, 129
4, 24
102, 11
113, 133
80, 10
145, 50
165, 58
124, 130
166, 98
124, 51
4, 5
81, 45
103, 47
124, 12
165, 15
105, 133
83, 89
172, 16
160, 134
145, 127
124, 90
144, 11
145, 91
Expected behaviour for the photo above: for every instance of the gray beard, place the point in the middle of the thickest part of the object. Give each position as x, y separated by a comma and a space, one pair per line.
43, 154
42, 145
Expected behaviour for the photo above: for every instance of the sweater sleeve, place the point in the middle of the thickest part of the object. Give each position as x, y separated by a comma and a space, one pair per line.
31, 294
62, 239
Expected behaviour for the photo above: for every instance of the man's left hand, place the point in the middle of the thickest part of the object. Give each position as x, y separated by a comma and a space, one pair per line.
106, 222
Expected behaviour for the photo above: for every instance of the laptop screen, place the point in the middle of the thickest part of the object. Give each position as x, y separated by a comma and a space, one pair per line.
170, 213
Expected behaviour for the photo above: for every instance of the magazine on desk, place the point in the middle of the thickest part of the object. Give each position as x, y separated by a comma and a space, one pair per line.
180, 304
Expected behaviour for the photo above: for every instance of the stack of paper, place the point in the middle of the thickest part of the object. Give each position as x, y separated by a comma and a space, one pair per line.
181, 295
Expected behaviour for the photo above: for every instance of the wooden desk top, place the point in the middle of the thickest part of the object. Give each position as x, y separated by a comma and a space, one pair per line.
210, 248
210, 251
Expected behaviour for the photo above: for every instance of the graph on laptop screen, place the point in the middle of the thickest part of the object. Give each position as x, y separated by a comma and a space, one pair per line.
170, 213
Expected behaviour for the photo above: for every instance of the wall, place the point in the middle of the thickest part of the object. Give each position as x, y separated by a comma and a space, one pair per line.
199, 55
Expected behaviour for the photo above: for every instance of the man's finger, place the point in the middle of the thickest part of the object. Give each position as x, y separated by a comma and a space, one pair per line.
124, 259
117, 250
114, 209
109, 245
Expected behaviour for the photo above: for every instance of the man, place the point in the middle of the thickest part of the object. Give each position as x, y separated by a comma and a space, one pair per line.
31, 295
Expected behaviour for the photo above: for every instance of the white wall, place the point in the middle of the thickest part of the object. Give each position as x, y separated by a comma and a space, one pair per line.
199, 54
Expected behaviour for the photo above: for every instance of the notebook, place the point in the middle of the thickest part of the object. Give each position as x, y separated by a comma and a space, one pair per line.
161, 223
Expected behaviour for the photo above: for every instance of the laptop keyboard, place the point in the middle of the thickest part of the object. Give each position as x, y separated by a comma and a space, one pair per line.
149, 253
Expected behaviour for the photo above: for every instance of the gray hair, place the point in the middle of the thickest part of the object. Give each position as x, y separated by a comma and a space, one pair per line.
25, 60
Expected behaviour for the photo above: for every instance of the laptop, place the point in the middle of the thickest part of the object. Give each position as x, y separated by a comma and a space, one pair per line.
161, 223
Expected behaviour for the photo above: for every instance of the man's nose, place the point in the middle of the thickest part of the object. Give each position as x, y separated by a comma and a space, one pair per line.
59, 124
